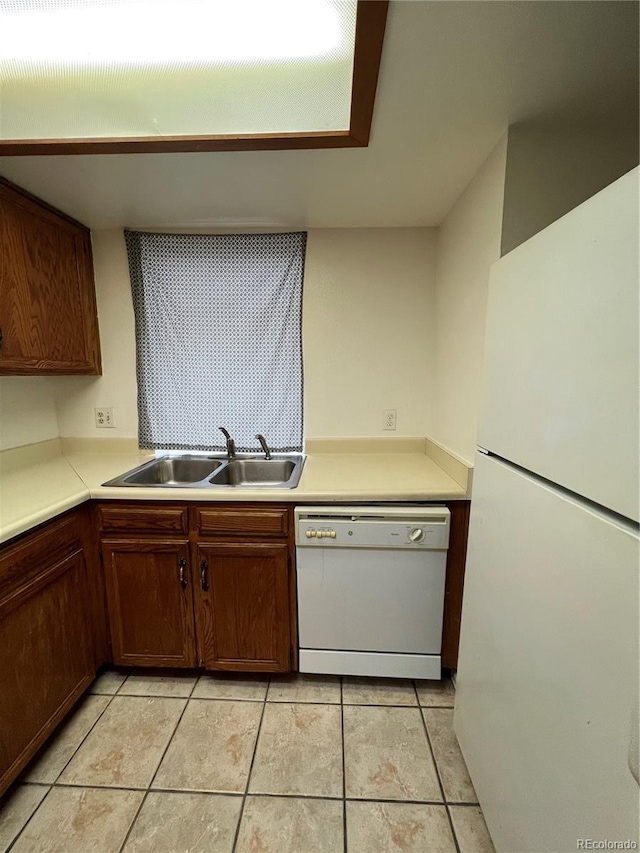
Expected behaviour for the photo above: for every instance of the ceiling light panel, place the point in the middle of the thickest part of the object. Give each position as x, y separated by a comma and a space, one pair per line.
126, 68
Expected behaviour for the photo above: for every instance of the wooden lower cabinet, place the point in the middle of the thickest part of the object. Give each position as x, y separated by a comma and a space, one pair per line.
243, 606
200, 585
456, 559
46, 649
150, 602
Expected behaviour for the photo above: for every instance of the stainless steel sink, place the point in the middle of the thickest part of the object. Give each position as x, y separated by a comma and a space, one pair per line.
211, 472
256, 472
170, 471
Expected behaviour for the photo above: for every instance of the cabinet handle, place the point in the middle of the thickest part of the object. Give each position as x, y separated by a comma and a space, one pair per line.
183, 576
204, 580
1, 336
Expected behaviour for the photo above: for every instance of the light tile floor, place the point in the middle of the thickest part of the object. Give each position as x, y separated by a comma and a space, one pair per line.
216, 764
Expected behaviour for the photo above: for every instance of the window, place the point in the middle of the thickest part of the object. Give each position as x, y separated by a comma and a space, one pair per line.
218, 338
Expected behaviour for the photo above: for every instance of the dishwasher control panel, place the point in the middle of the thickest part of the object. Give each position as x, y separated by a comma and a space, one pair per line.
312, 533
373, 527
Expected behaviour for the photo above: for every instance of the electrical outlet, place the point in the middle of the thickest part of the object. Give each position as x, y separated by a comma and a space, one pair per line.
104, 418
389, 419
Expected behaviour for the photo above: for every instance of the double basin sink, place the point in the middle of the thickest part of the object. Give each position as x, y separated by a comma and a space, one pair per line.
204, 472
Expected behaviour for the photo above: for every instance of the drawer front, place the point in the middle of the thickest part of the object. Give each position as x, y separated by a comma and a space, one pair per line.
144, 519
24, 560
241, 521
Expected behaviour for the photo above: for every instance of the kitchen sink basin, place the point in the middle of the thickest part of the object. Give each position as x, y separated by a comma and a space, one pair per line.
210, 472
170, 471
255, 472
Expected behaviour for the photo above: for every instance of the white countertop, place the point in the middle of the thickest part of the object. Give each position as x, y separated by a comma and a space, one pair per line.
32, 494
35, 490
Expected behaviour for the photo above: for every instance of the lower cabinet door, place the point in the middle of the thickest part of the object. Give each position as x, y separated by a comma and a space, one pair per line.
150, 602
243, 607
46, 658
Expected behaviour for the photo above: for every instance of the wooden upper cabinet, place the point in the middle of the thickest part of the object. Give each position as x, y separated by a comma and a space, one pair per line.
150, 601
48, 317
243, 606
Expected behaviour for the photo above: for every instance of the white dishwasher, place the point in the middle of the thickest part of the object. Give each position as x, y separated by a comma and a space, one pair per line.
371, 589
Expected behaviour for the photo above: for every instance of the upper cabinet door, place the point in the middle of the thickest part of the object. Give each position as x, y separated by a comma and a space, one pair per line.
48, 315
561, 353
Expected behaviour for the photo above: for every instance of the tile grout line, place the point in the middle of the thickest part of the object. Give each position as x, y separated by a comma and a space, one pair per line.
253, 758
122, 683
28, 821
52, 785
97, 720
265, 795
94, 787
453, 831
437, 769
272, 701
344, 769
164, 752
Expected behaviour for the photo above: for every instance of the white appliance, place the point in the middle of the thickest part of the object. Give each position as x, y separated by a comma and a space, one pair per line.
548, 671
371, 589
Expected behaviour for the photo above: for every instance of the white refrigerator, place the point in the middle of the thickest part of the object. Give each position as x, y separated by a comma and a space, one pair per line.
547, 685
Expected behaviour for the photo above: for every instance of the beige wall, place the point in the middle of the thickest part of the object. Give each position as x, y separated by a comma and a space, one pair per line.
552, 168
367, 330
27, 410
468, 243
78, 396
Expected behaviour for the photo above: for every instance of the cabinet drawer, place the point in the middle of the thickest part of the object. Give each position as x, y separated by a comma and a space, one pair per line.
144, 519
240, 521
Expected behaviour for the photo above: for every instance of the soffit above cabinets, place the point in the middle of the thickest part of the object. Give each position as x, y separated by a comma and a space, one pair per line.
130, 76
454, 75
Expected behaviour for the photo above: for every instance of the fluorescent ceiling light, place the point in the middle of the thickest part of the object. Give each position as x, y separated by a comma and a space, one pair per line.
133, 32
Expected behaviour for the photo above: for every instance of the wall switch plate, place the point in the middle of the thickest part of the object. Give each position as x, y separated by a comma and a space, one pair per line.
104, 418
389, 419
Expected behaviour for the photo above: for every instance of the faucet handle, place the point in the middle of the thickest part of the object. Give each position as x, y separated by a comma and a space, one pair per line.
264, 445
231, 445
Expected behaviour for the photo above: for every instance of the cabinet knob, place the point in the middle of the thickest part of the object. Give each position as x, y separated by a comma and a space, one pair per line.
204, 580
183, 572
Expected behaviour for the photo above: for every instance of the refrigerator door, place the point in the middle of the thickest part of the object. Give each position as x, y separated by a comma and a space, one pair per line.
548, 669
561, 356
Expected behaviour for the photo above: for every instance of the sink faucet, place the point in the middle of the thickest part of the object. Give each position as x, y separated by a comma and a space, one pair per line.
264, 445
231, 445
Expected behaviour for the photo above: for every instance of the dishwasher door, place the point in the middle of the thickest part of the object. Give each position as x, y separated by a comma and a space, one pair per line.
371, 593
